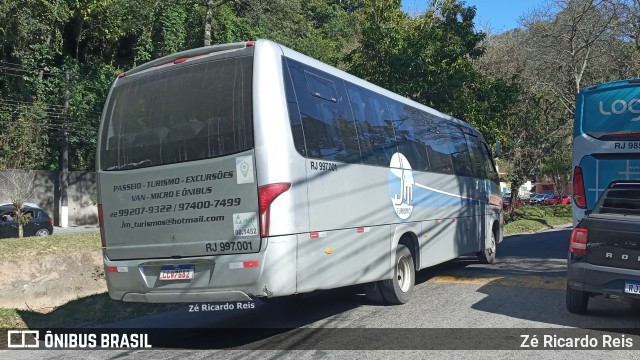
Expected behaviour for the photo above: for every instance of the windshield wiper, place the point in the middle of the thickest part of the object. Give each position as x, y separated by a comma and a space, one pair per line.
129, 166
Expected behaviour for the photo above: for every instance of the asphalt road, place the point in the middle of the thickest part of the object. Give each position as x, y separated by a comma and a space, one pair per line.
461, 305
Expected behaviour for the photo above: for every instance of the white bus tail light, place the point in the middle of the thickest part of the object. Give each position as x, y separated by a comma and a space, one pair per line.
266, 195
578, 243
579, 197
101, 222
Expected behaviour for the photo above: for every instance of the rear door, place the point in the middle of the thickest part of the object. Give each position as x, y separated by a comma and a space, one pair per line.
204, 207
29, 228
37, 220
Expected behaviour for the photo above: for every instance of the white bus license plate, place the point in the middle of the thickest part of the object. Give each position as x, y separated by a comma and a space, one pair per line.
176, 273
632, 287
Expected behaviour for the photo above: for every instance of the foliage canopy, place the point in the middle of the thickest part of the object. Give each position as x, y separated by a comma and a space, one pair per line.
516, 87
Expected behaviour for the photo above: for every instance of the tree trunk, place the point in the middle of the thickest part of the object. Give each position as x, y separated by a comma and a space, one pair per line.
79, 37
207, 19
515, 186
207, 23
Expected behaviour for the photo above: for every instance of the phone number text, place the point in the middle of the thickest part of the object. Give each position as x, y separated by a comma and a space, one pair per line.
185, 206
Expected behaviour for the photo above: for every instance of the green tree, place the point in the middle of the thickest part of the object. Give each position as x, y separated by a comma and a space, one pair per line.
557, 165
430, 59
627, 28
564, 41
380, 56
318, 28
532, 127
23, 143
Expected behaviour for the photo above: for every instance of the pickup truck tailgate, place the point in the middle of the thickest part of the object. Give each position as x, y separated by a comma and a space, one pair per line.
614, 240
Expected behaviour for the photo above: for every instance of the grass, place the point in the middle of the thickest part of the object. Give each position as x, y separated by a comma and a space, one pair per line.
10, 319
90, 310
12, 249
531, 219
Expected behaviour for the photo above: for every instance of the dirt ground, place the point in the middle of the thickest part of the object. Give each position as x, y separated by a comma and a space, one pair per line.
51, 280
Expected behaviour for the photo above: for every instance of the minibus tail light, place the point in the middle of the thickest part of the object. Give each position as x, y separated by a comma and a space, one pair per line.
266, 195
578, 243
101, 222
579, 197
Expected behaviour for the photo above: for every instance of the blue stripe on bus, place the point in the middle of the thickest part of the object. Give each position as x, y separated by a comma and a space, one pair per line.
426, 197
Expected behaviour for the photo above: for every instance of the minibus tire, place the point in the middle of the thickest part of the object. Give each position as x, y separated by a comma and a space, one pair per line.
488, 256
373, 293
399, 289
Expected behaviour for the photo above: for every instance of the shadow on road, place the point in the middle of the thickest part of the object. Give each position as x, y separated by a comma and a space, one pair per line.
89, 311
544, 255
548, 306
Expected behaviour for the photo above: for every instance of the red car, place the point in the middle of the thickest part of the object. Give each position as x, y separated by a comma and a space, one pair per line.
506, 200
557, 200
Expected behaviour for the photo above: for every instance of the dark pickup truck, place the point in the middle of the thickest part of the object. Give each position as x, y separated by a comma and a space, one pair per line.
604, 251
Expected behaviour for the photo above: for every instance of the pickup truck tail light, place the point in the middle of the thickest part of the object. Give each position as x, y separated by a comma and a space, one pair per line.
578, 244
579, 197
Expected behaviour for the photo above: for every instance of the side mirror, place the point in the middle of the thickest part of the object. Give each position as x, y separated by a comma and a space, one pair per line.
496, 151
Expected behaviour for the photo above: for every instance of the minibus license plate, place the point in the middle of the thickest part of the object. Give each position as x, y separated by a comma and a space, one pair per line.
632, 287
176, 273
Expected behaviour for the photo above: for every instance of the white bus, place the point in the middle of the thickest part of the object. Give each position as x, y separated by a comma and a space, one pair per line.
606, 141
250, 170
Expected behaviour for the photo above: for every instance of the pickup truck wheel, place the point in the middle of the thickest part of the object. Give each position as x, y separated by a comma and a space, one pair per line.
399, 289
577, 301
488, 256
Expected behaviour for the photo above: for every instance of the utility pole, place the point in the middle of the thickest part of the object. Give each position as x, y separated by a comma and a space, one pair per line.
64, 181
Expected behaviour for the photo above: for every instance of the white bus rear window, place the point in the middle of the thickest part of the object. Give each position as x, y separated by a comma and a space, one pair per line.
192, 112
